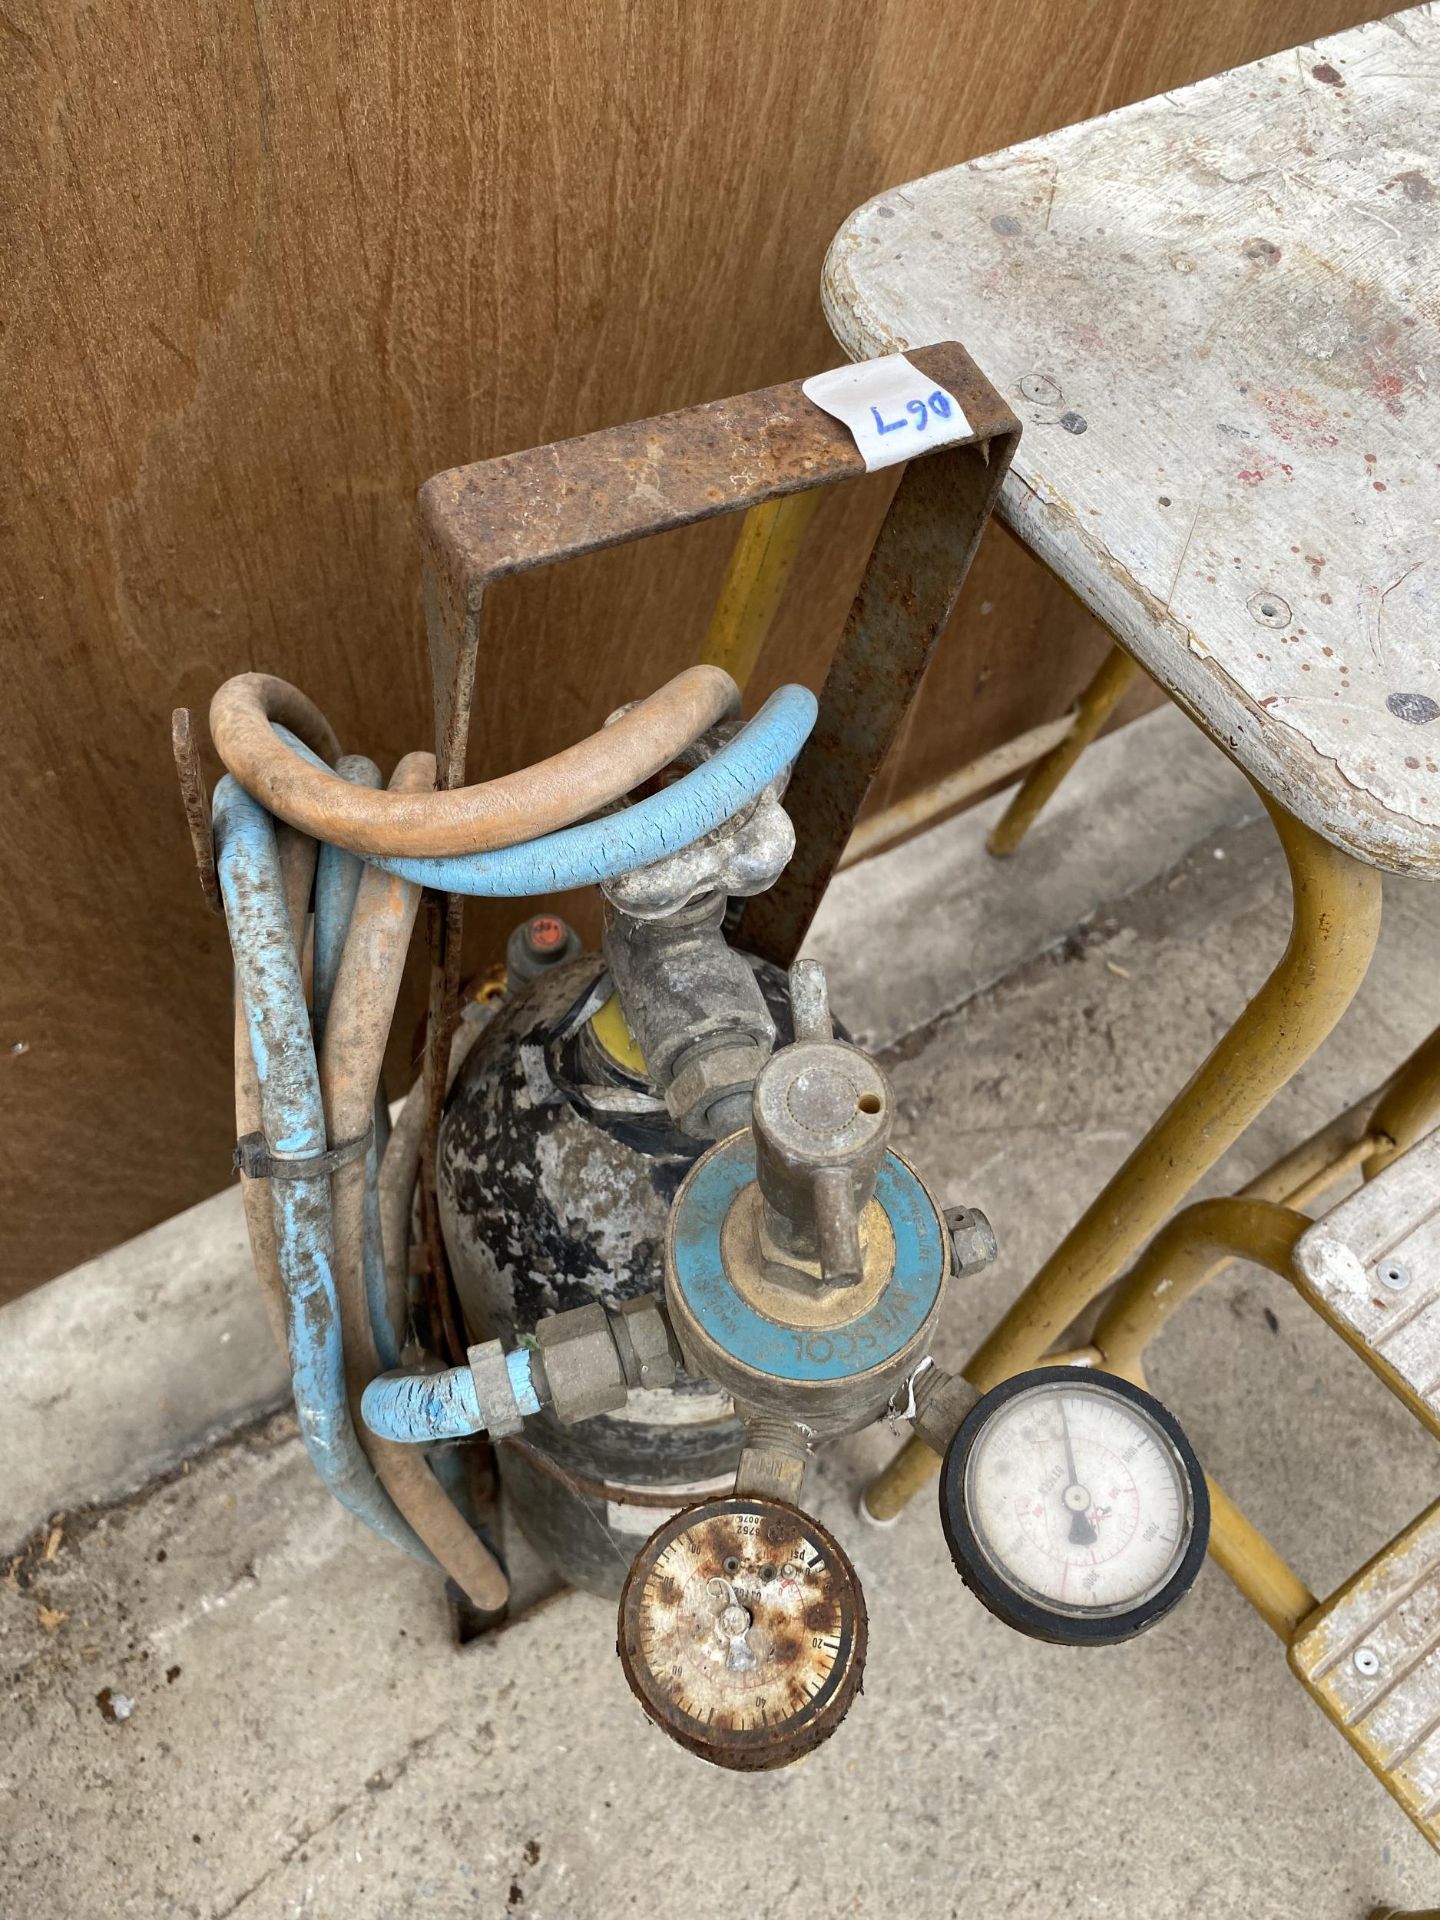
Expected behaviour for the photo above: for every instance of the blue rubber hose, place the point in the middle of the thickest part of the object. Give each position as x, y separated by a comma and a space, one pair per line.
410, 1407
267, 973
420, 1408
634, 836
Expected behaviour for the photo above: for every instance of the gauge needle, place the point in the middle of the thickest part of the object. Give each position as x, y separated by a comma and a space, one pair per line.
1075, 1497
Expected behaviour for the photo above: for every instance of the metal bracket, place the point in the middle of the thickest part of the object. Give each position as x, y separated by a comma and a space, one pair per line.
483, 523
196, 803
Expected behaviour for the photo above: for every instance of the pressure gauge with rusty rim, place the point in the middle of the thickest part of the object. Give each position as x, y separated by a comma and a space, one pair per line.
742, 1632
1074, 1506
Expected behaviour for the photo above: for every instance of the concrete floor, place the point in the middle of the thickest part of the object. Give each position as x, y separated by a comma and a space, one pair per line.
303, 1740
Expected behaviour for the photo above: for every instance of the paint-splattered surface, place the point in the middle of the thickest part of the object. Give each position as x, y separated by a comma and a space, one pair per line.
1370, 1660
1372, 1267
1218, 315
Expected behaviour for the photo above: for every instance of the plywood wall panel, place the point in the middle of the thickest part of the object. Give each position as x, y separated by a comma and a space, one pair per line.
267, 268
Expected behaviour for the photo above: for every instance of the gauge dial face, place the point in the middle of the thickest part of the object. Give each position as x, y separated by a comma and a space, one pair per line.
742, 1632
1074, 1506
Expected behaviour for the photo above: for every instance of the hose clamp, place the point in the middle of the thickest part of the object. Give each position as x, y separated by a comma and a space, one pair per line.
253, 1158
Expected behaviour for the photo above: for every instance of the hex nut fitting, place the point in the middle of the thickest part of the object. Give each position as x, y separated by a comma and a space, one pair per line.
774, 1458
972, 1239
648, 1354
494, 1390
583, 1371
706, 1078
942, 1400
742, 858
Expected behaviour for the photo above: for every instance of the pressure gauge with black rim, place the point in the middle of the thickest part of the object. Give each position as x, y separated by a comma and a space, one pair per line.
1074, 1506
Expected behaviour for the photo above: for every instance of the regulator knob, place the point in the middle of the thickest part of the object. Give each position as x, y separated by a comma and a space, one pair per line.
821, 1115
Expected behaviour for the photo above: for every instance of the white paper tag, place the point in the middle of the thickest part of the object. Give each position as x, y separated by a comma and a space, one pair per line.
893, 410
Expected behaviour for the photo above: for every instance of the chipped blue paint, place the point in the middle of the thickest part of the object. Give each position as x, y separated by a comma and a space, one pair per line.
423, 1407
522, 1381
633, 836
802, 1354
268, 980
419, 1408
443, 1405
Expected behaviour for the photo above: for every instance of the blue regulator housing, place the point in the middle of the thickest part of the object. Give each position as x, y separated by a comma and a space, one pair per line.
777, 1349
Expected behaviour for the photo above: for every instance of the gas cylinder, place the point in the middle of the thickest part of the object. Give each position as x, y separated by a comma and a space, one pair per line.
557, 1165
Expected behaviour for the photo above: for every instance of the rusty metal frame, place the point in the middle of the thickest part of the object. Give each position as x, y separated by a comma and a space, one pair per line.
196, 801
482, 523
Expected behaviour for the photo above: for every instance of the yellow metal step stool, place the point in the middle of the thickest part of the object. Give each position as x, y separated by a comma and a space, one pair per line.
1371, 1658
1370, 1654
1371, 1267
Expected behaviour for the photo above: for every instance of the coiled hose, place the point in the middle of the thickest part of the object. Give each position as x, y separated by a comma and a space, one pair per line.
330, 1252
246, 712
367, 983
584, 855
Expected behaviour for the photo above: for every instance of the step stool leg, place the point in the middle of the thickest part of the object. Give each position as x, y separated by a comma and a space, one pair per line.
760, 564
1186, 1254
1409, 1106
896, 1485
1259, 1570
1335, 924
1097, 703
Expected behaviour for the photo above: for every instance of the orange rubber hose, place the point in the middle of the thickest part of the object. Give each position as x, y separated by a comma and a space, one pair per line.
518, 806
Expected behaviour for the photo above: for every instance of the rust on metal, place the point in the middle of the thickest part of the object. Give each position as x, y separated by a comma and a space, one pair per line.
907, 595
499, 517
742, 1632
524, 510
196, 803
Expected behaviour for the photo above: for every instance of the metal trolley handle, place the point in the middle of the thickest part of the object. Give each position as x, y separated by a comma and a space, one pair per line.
510, 515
